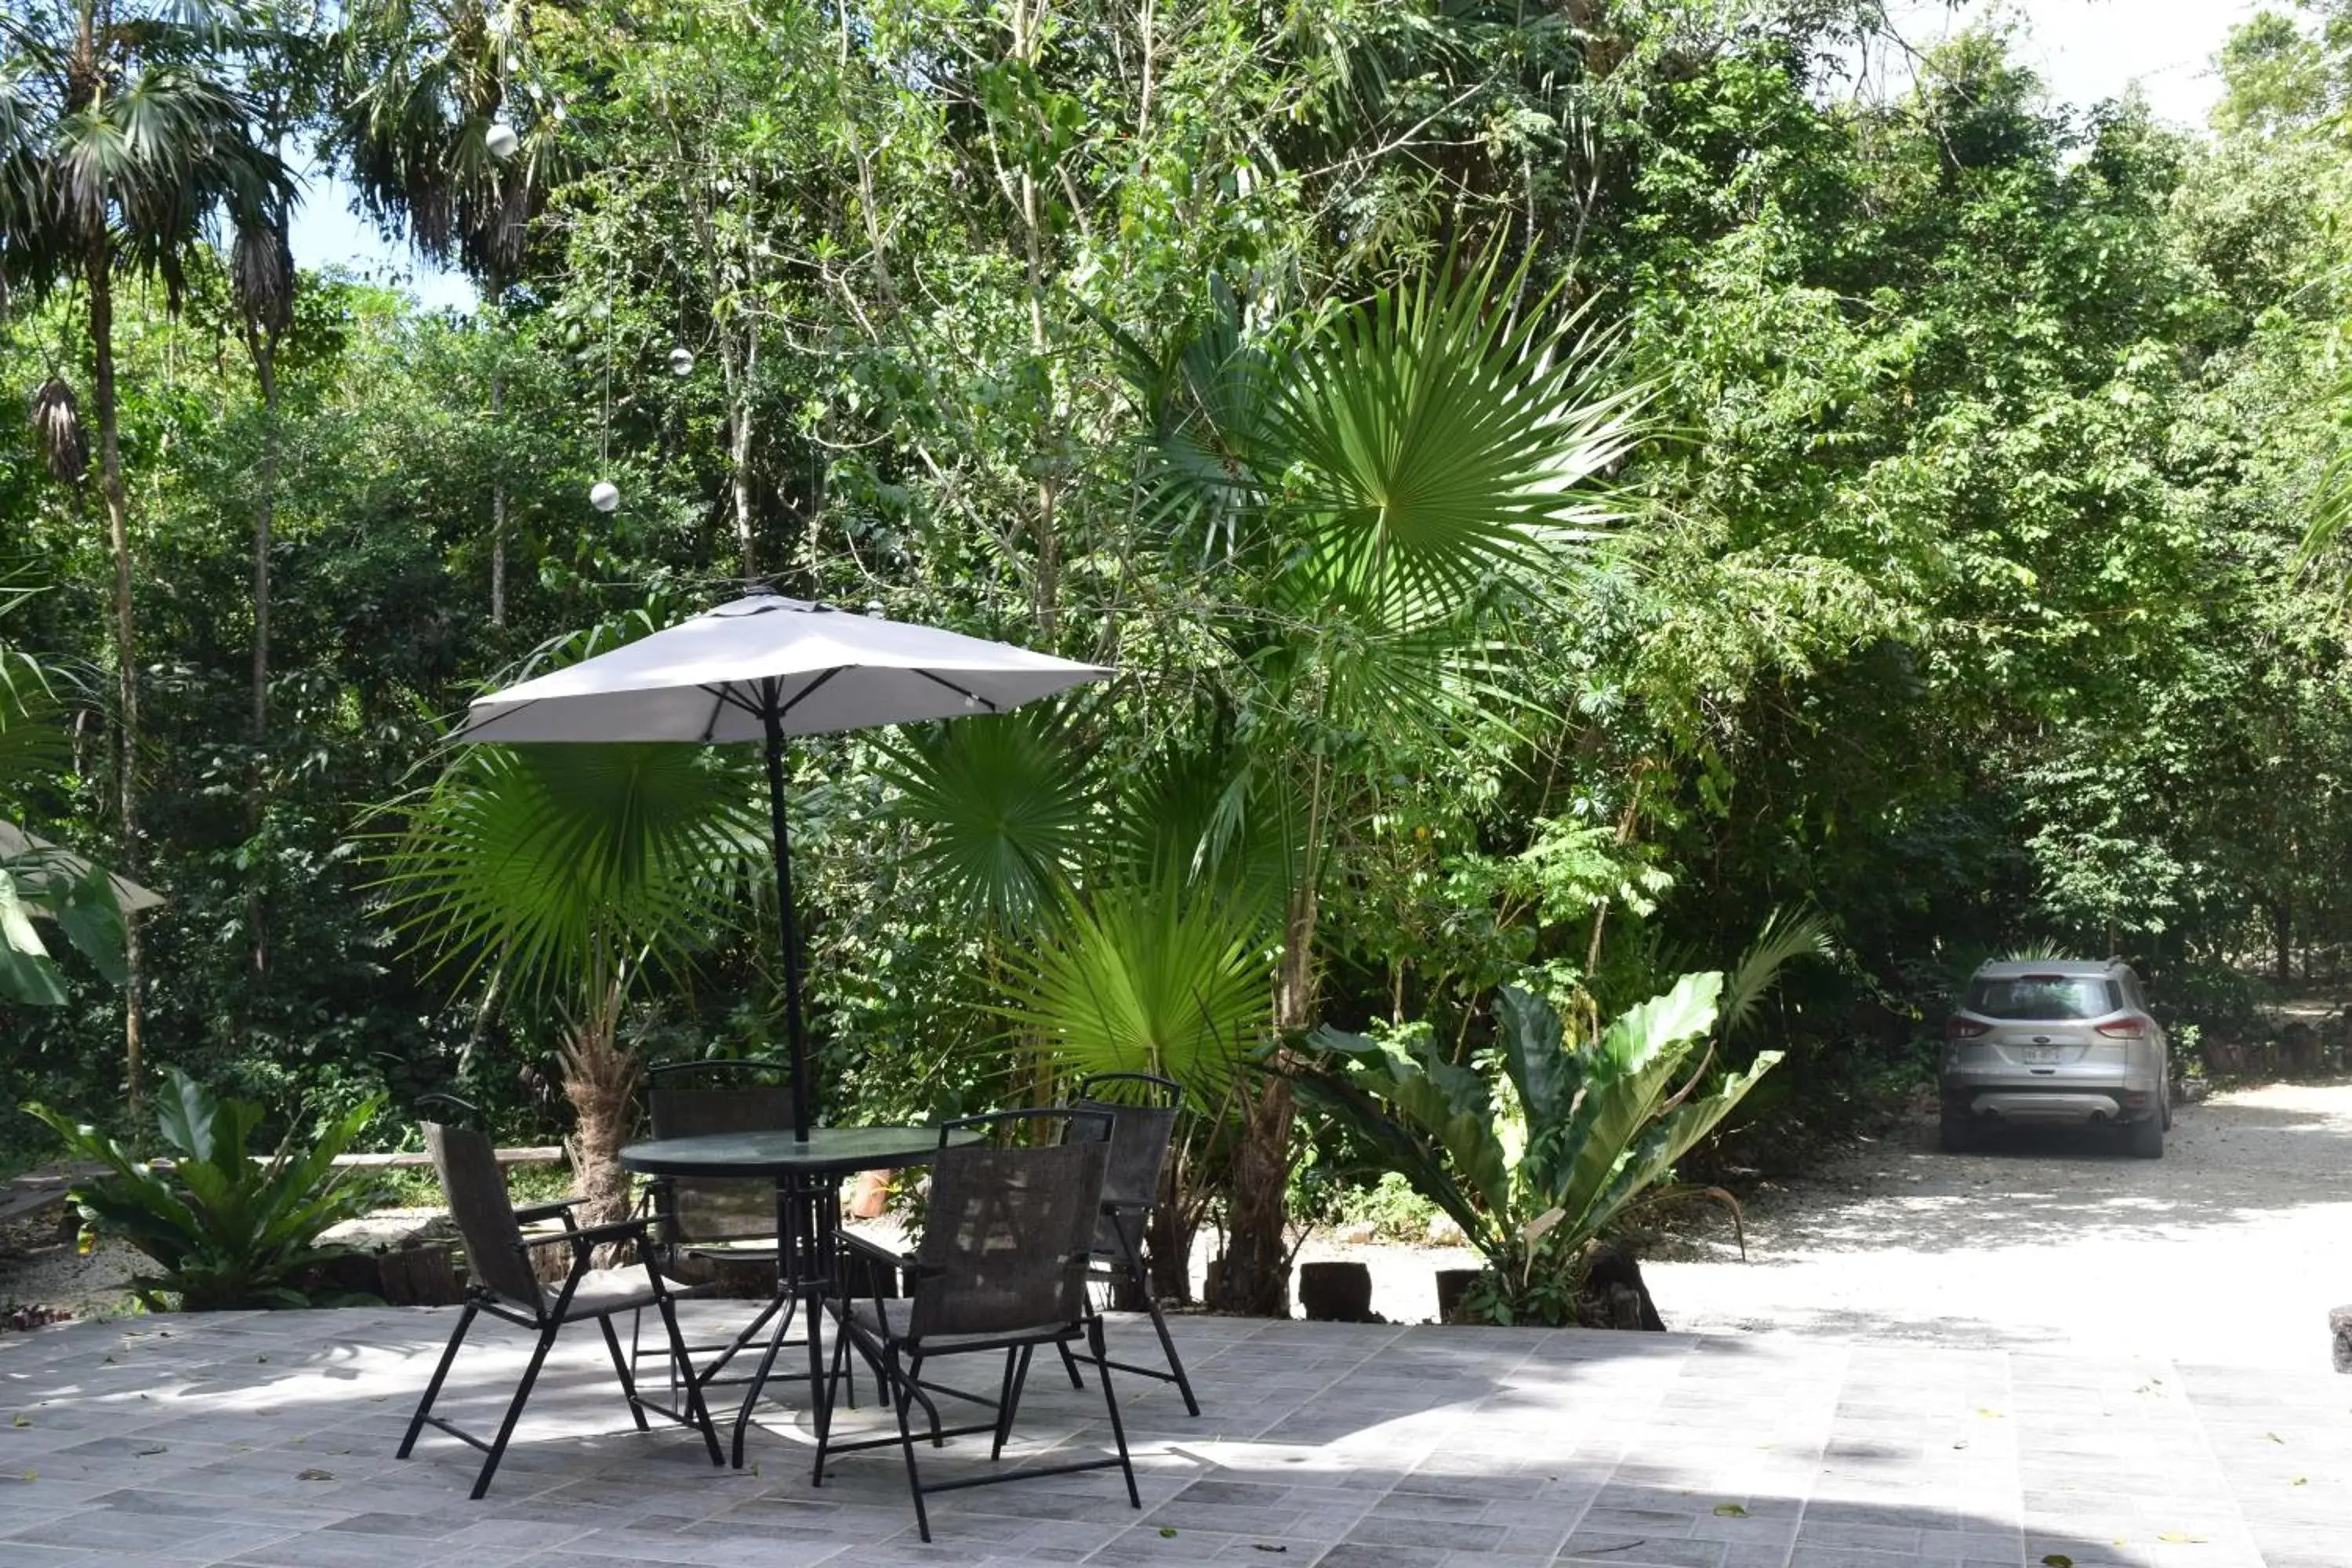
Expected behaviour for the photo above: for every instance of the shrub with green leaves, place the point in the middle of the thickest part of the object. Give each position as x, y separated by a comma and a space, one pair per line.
1541, 1158
227, 1229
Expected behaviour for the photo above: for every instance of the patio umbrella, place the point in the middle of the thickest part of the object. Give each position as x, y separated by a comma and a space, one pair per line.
759, 668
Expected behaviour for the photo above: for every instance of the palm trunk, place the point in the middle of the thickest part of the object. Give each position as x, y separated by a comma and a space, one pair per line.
100, 274
1255, 1278
599, 1079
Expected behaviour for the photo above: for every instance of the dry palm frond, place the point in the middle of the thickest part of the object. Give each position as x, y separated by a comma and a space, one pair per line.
261, 270
56, 417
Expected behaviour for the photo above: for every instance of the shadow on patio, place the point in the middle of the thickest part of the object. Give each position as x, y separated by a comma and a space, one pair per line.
267, 1439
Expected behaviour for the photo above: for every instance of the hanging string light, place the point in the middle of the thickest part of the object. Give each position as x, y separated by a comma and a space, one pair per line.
604, 495
681, 361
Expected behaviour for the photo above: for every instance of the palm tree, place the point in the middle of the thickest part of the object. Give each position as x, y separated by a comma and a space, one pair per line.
425, 95
563, 875
1373, 502
122, 141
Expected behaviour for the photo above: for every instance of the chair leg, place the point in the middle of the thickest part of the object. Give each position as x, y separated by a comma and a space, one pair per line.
1142, 1276
621, 1368
514, 1411
1070, 1364
905, 1402
697, 1407
1167, 1348
1004, 1401
1111, 1403
825, 1405
440, 1374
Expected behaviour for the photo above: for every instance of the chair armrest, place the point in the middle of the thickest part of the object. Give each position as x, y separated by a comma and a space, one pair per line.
561, 1206
594, 1235
853, 1242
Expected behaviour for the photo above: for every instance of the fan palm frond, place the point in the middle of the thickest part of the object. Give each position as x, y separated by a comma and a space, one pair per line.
1007, 809
564, 865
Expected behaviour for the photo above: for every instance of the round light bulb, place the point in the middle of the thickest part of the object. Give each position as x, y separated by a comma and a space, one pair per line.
501, 140
605, 496
681, 362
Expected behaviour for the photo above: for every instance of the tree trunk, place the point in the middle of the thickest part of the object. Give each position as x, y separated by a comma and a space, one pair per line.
2282, 929
264, 519
739, 451
599, 1079
101, 276
1256, 1276
498, 512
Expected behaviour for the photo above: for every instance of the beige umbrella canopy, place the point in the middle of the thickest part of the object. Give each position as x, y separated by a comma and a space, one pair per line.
36, 856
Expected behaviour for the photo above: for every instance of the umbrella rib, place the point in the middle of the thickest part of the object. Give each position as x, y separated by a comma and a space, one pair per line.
959, 691
808, 690
724, 695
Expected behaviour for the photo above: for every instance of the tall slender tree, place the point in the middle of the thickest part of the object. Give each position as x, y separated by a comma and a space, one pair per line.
443, 148
124, 139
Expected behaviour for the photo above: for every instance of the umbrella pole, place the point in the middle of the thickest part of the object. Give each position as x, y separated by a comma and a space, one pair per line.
791, 926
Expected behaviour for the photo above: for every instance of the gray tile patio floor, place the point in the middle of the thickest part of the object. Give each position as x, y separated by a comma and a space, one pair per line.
265, 1441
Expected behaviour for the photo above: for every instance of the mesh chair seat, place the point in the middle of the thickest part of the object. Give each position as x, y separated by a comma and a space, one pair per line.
870, 1315
604, 1291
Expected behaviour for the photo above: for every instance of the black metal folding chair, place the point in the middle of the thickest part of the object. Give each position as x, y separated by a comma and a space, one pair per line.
1000, 1267
1143, 1124
504, 1285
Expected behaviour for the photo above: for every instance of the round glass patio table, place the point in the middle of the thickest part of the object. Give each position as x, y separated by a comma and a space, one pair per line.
807, 1174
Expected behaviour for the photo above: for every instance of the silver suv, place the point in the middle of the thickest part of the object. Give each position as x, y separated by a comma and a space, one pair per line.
2056, 1042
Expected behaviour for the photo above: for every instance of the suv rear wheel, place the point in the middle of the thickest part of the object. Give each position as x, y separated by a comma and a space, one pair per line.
2145, 1138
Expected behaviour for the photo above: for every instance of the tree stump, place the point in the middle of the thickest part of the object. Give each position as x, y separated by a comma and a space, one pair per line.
1336, 1292
420, 1275
1453, 1284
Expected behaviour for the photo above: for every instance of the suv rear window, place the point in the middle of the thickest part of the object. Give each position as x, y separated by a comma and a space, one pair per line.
2043, 997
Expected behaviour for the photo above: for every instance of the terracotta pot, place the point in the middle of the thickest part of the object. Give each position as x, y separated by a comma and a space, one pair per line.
871, 1197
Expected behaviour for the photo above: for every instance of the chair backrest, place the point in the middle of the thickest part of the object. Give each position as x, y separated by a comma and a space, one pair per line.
688, 1100
1006, 1234
476, 1190
1142, 1131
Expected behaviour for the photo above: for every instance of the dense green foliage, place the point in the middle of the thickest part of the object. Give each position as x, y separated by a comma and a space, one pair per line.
230, 1230
1562, 483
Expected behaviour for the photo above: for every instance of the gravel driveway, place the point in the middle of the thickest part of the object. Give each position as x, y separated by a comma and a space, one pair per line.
2229, 1249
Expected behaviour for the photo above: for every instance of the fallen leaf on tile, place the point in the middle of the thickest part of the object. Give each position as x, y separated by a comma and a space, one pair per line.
2057, 1560
1729, 1511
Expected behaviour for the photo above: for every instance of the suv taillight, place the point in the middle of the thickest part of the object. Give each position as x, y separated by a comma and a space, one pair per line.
2124, 1029
1963, 1028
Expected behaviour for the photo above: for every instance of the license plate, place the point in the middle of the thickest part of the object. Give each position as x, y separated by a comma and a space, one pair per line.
2040, 1055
